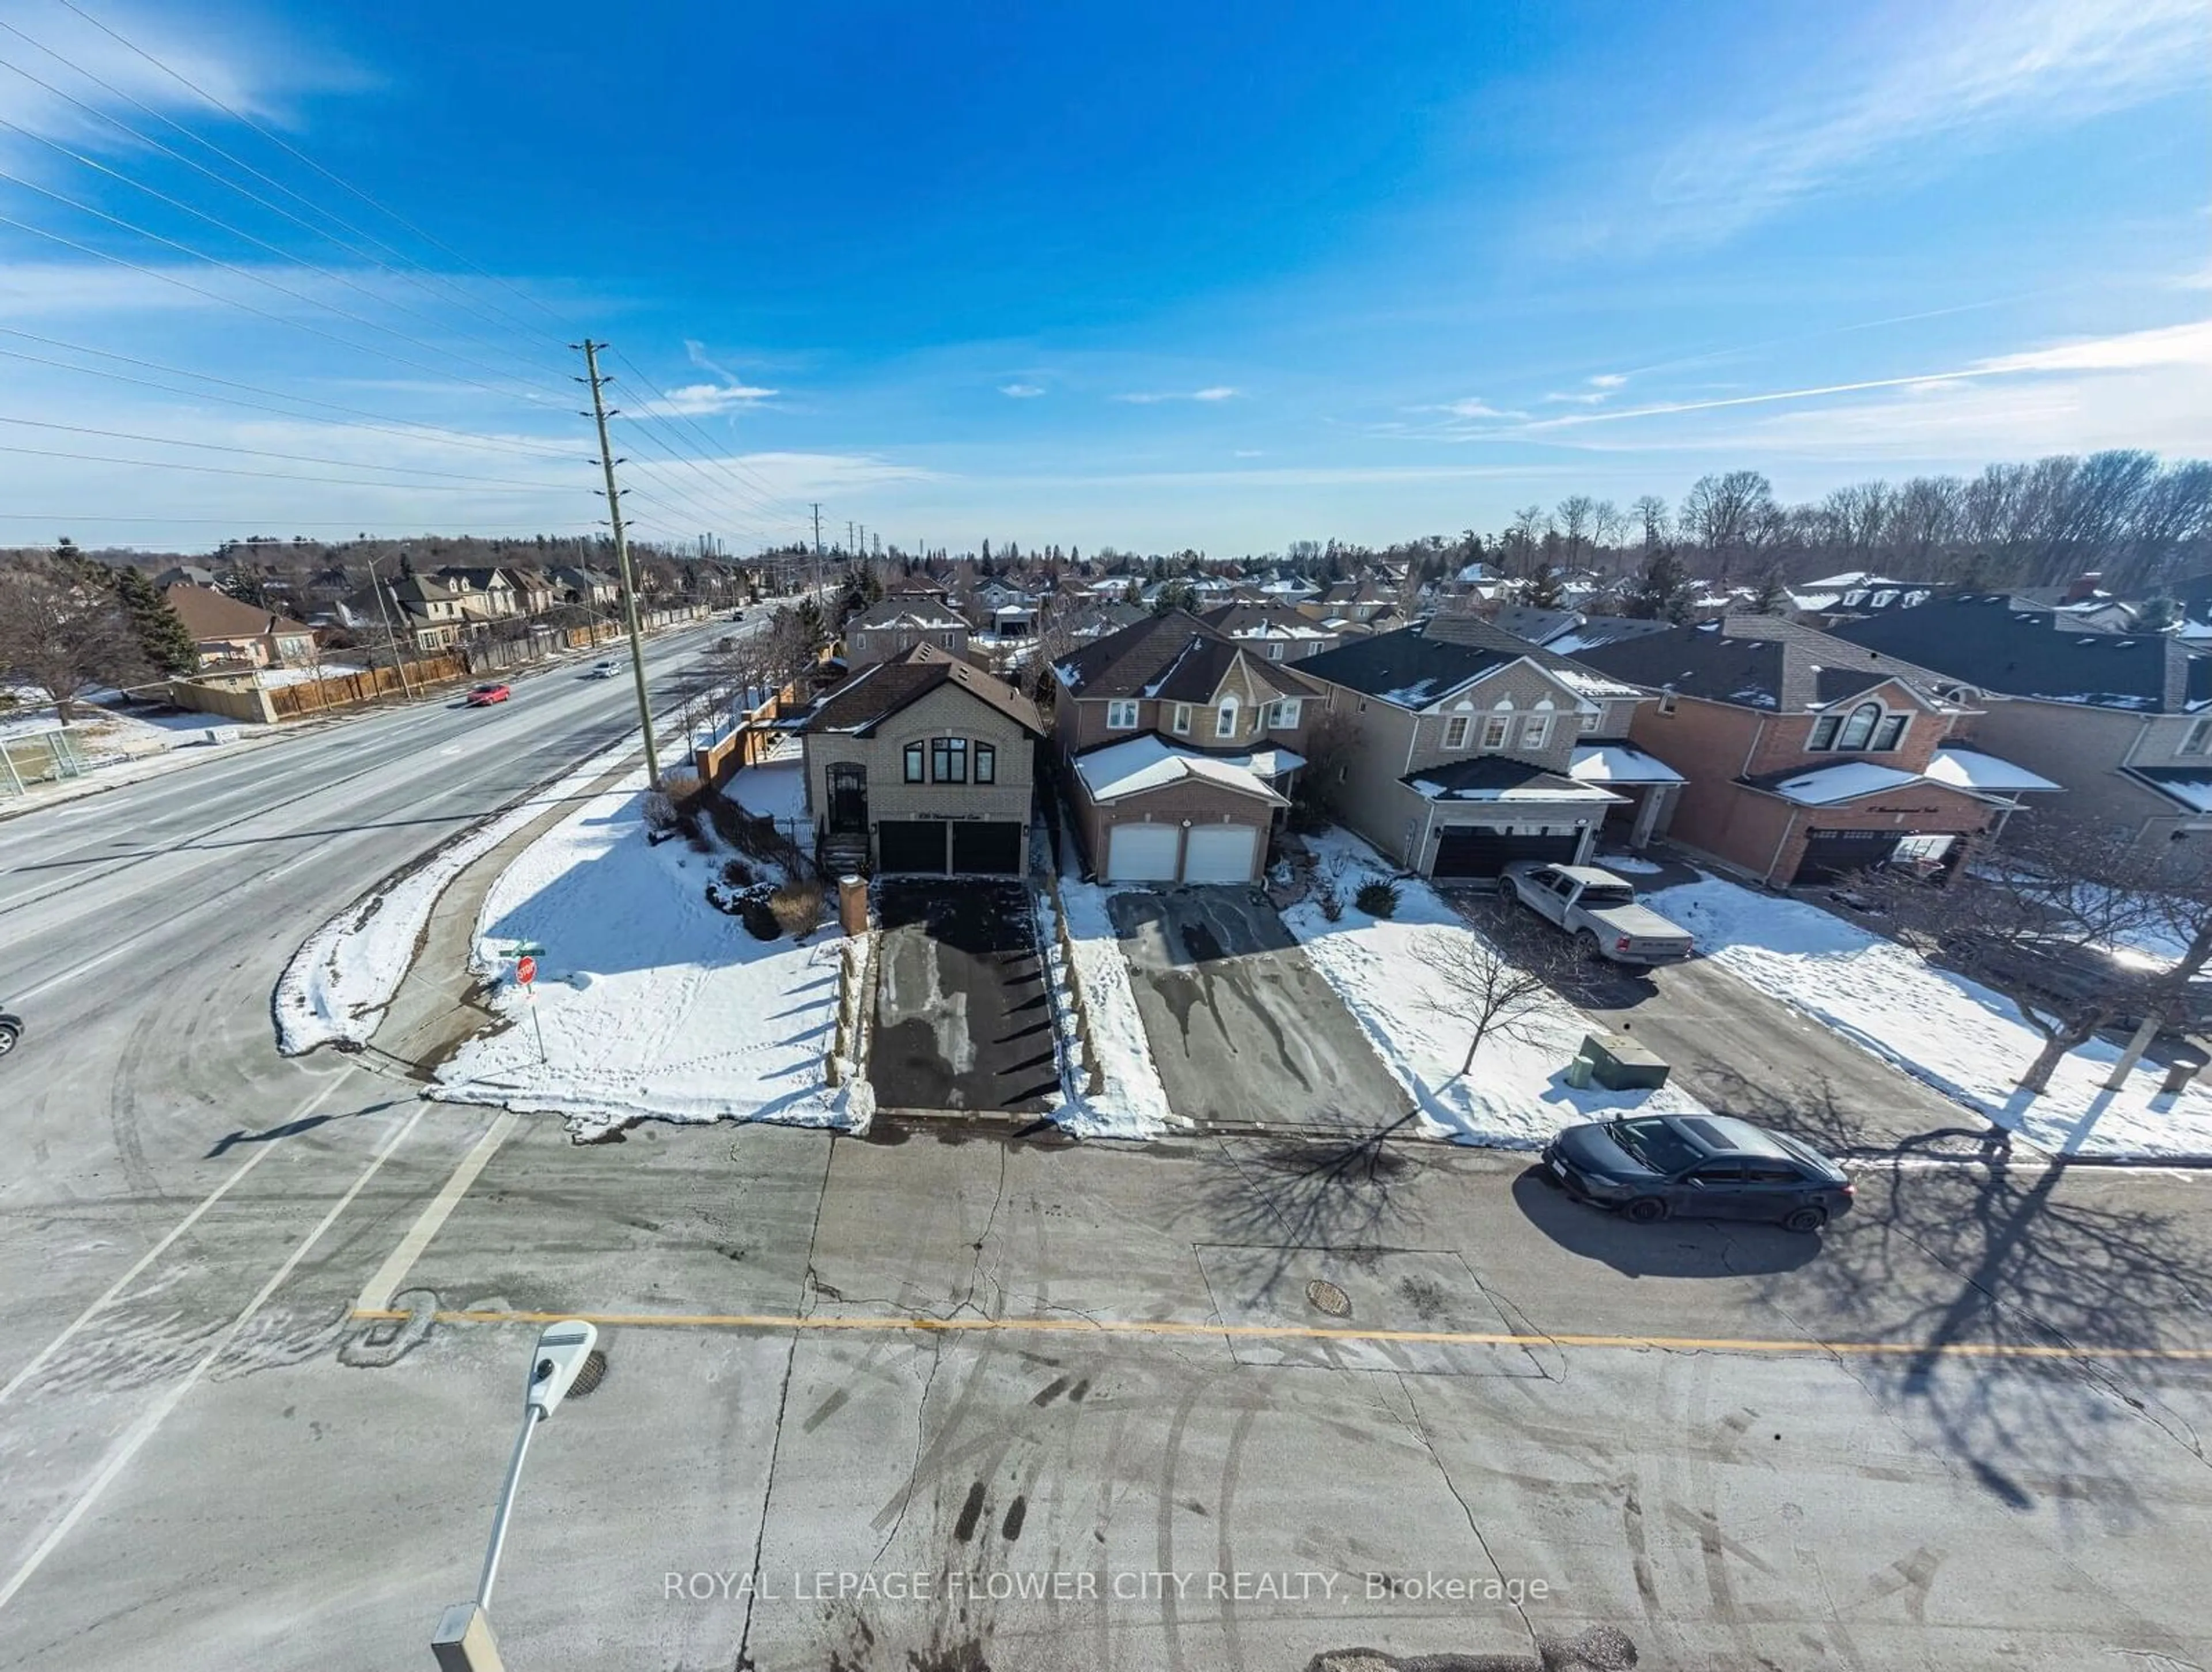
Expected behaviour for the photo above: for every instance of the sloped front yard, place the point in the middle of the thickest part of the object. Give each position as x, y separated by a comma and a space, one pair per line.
1966, 1040
1390, 973
651, 1003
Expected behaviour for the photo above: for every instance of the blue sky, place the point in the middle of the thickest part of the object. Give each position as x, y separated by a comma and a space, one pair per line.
1140, 275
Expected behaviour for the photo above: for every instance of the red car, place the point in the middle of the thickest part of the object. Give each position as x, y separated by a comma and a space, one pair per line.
483, 696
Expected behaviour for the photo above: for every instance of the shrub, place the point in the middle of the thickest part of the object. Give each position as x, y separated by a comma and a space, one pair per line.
737, 874
759, 917
1332, 907
659, 811
684, 789
1377, 898
798, 908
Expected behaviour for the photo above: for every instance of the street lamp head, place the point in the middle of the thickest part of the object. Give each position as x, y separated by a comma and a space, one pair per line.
561, 1350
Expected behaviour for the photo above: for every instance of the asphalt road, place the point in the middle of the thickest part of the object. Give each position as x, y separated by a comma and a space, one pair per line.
1053, 1407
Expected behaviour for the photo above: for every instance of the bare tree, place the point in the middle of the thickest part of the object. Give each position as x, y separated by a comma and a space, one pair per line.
1652, 518
1608, 524
1577, 514
1499, 997
63, 630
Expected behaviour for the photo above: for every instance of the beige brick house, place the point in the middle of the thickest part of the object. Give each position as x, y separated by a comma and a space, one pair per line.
1180, 747
923, 763
896, 624
1473, 749
1807, 757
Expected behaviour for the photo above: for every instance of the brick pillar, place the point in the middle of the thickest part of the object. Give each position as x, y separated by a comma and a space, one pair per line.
852, 905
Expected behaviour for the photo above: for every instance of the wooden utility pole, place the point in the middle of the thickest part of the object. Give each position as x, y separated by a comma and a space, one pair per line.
607, 461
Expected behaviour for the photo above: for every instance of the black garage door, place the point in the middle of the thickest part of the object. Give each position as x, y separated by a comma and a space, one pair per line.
1829, 854
993, 849
910, 844
1480, 851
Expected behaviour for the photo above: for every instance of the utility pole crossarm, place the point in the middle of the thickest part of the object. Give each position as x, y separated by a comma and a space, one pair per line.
621, 557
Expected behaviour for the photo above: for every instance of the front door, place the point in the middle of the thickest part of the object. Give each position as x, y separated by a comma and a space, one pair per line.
848, 798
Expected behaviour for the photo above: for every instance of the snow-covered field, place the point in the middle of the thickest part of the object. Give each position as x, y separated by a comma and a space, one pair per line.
650, 1002
1516, 1096
1134, 1104
1960, 1037
102, 734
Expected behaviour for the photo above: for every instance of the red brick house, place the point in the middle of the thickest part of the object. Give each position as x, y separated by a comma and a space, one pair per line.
1806, 756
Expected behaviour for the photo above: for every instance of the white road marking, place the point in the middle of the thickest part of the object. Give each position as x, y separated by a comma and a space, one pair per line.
147, 1426
376, 1294
261, 1152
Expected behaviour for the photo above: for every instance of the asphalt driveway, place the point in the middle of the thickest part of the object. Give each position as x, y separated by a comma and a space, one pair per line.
1243, 1029
1746, 1054
962, 1021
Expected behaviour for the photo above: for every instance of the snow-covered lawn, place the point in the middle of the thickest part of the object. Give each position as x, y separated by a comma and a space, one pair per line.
1517, 1096
1961, 1037
650, 1002
1133, 1104
101, 734
276, 678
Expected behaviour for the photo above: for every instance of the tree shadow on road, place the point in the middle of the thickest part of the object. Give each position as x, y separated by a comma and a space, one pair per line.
1331, 1193
2019, 1289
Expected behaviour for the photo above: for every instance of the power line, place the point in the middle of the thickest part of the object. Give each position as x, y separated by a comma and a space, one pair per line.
271, 475
408, 428
290, 458
713, 447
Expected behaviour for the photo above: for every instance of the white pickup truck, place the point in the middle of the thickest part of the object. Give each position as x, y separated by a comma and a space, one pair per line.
1600, 910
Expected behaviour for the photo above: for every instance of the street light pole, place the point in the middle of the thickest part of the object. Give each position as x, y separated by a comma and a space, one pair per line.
622, 559
465, 1641
391, 639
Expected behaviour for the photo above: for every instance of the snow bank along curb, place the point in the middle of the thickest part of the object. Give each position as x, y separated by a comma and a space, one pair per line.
1120, 1094
1382, 969
340, 982
1968, 1041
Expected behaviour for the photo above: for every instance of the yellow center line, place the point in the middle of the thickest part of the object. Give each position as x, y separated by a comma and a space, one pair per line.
768, 1322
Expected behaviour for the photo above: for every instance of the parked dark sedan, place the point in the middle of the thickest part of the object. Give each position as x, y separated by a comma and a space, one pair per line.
1698, 1166
11, 1030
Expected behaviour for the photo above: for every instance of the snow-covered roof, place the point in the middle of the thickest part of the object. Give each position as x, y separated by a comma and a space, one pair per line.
1151, 762
1971, 770
1618, 763
1825, 786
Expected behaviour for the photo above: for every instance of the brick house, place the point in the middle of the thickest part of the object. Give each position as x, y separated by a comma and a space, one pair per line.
2121, 722
894, 625
922, 763
227, 630
1805, 756
1473, 749
1179, 748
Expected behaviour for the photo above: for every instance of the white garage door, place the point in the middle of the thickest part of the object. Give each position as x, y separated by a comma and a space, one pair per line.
1220, 853
1141, 853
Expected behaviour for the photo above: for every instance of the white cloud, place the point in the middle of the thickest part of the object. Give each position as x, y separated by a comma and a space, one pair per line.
1021, 390
693, 398
1972, 73
1607, 381
1213, 392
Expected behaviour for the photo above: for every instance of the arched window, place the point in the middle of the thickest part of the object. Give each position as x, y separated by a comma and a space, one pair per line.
1859, 728
1225, 723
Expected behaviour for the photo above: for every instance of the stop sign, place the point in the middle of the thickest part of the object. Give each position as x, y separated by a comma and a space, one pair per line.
525, 970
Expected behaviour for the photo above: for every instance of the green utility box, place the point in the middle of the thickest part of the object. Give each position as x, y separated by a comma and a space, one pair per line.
1620, 1064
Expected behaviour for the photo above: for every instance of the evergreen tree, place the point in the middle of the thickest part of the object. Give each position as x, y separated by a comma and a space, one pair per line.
1772, 597
1663, 591
162, 637
1544, 589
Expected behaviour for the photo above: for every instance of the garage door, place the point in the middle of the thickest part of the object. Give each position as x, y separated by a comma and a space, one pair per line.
1483, 850
992, 849
1830, 854
1142, 853
910, 844
1220, 853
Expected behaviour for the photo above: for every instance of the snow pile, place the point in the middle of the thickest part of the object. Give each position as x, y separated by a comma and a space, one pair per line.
1133, 1104
1517, 1096
649, 1003
1965, 1039
1627, 865
339, 983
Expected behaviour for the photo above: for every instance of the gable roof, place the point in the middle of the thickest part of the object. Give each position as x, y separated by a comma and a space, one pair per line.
1982, 639
1264, 621
1151, 762
869, 698
927, 613
1173, 657
1414, 666
1755, 662
209, 614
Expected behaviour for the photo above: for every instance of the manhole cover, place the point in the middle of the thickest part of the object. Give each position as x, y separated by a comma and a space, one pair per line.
1325, 1297
589, 1375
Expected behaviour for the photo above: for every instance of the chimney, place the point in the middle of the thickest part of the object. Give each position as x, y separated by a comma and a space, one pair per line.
2084, 586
